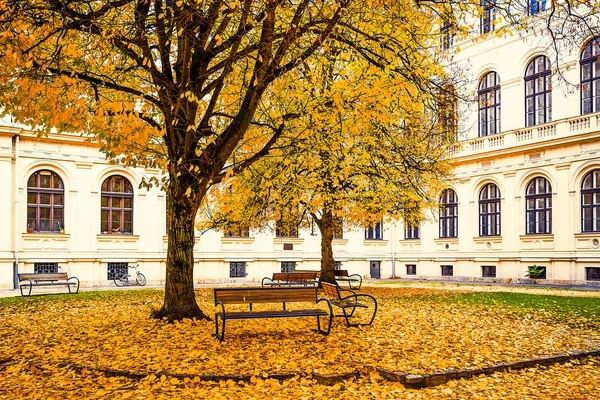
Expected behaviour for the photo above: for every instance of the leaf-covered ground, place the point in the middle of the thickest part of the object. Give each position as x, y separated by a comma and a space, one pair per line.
416, 330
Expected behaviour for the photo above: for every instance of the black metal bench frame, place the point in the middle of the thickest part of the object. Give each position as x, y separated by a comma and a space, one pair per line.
349, 302
341, 275
255, 295
31, 279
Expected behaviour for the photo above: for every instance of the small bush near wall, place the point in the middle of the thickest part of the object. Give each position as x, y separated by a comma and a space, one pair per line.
536, 272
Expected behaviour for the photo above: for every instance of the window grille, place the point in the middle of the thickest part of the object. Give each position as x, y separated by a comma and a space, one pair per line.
45, 268
288, 266
237, 270
117, 269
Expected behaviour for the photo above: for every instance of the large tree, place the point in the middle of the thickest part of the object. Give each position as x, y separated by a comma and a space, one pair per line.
180, 84
368, 145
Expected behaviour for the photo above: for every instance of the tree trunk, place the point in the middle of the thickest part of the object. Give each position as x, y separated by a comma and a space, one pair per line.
180, 298
325, 225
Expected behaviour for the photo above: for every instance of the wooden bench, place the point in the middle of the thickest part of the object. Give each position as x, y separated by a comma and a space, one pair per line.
350, 302
281, 295
305, 278
30, 279
341, 275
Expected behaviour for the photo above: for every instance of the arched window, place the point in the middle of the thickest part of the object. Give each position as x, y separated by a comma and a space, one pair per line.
489, 210
448, 214
538, 92
488, 98
590, 77
116, 206
45, 202
590, 202
538, 209
538, 213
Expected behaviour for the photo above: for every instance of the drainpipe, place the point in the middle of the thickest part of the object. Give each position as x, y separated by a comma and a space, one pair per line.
394, 249
16, 211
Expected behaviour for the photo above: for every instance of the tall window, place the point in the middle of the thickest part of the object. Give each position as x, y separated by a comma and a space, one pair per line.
237, 231
116, 205
338, 228
447, 35
489, 210
45, 202
538, 199
538, 92
448, 214
374, 232
447, 109
488, 15
535, 6
286, 229
411, 232
590, 77
590, 202
488, 98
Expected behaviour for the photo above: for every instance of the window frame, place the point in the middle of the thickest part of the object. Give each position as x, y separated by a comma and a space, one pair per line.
237, 232
488, 16
594, 206
592, 271
235, 267
126, 193
412, 232
35, 224
286, 229
538, 220
490, 217
447, 270
590, 57
489, 86
448, 214
45, 267
115, 270
285, 266
488, 271
446, 35
534, 6
374, 231
533, 77
411, 269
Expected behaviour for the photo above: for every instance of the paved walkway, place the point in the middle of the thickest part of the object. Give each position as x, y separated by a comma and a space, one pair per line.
564, 290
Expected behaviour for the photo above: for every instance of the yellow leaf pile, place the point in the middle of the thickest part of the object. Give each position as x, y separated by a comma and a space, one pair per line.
61, 347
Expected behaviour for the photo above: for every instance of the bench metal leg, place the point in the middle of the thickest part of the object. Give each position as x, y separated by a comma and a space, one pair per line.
221, 337
30, 284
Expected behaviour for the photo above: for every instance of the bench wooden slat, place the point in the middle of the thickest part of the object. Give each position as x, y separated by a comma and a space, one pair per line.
273, 314
265, 295
39, 277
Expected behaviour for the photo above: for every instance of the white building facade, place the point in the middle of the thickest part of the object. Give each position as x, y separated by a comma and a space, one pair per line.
527, 192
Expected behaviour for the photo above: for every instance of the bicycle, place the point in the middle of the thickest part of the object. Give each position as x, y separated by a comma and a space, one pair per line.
124, 279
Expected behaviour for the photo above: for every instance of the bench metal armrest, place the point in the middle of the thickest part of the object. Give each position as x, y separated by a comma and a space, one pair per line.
262, 283
328, 305
76, 281
25, 282
222, 307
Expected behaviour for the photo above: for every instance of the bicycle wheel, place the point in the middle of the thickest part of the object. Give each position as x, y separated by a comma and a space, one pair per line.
140, 279
121, 280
